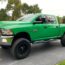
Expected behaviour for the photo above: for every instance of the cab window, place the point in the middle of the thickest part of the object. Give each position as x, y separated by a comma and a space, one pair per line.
50, 19
40, 20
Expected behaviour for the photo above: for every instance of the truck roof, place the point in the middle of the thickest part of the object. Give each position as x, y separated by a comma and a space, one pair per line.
29, 17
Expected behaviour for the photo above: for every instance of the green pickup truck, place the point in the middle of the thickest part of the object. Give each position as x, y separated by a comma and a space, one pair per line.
20, 34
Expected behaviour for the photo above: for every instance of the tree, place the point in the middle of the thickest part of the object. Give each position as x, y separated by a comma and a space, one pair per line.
3, 15
18, 8
14, 5
63, 18
34, 9
25, 8
59, 19
30, 9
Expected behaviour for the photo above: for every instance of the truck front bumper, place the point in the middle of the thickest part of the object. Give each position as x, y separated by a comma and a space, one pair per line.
6, 40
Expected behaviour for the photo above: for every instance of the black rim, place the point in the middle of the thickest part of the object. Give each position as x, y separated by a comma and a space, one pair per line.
22, 48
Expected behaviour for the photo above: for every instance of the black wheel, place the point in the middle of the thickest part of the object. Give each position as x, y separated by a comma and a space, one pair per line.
63, 41
5, 47
21, 48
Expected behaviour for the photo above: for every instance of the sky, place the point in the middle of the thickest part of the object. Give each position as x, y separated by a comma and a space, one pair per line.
54, 7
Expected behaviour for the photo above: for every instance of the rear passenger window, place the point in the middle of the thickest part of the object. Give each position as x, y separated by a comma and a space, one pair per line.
50, 19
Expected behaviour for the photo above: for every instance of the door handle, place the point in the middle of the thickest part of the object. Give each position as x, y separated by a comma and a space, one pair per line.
57, 26
45, 26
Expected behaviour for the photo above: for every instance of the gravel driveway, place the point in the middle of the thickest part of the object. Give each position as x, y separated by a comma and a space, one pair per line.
41, 54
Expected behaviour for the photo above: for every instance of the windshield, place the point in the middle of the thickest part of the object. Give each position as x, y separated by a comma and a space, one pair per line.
26, 17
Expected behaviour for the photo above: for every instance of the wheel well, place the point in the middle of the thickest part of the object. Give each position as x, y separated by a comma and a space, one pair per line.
21, 35
62, 35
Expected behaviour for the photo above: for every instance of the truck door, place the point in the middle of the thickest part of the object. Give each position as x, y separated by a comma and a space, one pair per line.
45, 28
38, 28
51, 28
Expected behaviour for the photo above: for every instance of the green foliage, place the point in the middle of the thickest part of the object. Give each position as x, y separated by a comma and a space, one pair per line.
63, 18
18, 9
30, 9
25, 8
14, 5
59, 19
61, 63
3, 15
34, 9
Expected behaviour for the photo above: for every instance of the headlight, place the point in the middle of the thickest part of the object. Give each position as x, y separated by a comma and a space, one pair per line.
6, 32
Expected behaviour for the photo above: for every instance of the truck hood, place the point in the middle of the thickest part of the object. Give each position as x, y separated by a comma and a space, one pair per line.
12, 24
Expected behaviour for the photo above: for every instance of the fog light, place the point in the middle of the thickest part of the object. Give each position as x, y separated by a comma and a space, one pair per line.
4, 40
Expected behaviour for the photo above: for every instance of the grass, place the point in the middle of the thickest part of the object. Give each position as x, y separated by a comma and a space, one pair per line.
61, 63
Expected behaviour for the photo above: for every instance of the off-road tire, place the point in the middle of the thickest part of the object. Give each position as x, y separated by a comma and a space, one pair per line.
21, 48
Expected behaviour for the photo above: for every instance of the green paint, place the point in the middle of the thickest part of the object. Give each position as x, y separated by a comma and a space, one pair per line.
36, 31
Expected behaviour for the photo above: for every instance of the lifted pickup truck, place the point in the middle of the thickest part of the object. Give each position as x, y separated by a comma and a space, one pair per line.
19, 34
